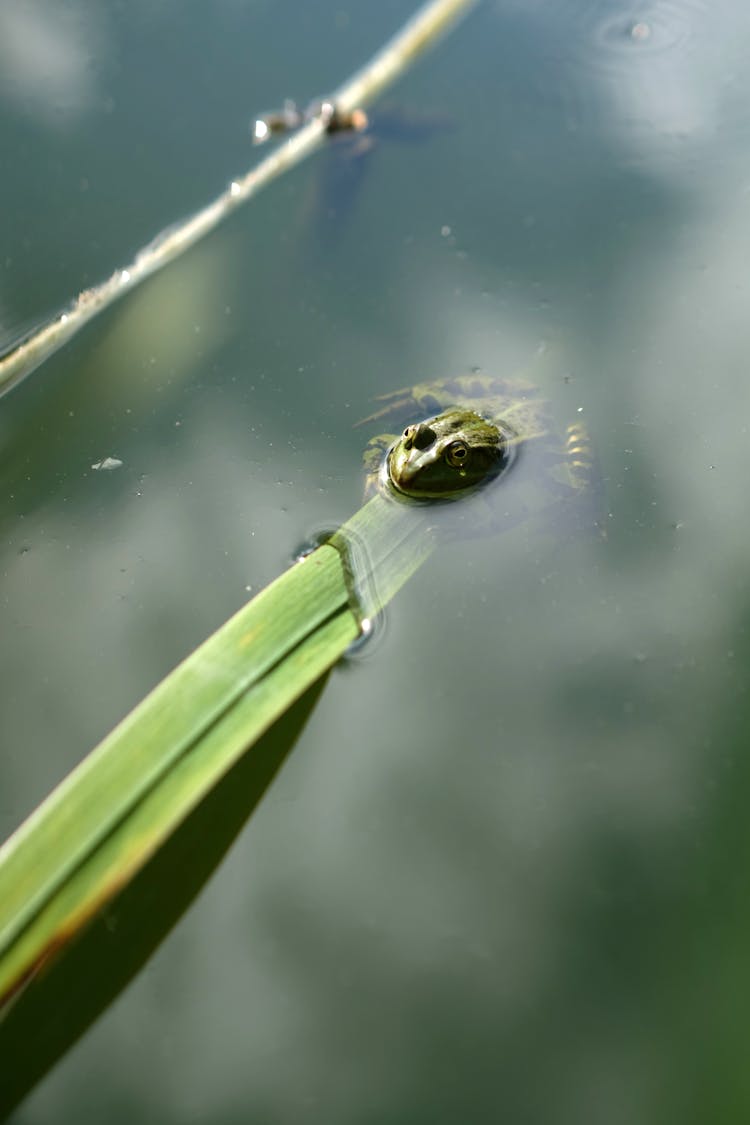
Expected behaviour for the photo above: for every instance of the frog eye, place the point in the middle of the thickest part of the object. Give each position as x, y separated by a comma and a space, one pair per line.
456, 454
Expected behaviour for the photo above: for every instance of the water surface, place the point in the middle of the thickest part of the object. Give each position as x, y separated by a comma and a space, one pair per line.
501, 877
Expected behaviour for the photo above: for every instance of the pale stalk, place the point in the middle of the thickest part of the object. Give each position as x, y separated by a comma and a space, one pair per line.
384, 68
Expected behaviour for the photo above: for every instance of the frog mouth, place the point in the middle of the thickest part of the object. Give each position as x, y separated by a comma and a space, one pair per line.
408, 465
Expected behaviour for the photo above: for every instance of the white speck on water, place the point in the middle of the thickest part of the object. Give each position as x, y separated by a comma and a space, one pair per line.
445, 231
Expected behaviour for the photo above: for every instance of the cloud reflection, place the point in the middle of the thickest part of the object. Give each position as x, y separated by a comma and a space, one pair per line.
47, 54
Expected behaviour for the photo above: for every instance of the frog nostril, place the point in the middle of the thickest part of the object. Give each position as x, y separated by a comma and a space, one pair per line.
423, 436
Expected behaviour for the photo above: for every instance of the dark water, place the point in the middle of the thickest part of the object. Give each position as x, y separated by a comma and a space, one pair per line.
502, 876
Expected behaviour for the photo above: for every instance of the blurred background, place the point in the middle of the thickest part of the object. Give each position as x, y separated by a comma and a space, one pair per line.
501, 876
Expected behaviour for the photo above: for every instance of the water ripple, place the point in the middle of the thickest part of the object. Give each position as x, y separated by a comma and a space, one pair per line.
650, 67
649, 29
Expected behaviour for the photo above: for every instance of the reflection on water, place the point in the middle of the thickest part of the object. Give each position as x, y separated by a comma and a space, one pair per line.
48, 59
647, 61
647, 29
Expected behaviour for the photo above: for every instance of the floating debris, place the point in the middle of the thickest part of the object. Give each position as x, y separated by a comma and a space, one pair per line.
279, 121
290, 116
339, 120
640, 32
107, 465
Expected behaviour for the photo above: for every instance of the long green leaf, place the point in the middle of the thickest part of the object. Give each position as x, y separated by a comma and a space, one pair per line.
59, 1004
86, 807
110, 815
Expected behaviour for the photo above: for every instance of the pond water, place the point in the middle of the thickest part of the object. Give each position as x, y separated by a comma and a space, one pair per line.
500, 878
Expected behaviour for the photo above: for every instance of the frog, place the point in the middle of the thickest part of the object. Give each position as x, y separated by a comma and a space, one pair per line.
465, 434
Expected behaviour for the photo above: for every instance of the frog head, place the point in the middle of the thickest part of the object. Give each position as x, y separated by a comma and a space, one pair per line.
447, 455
